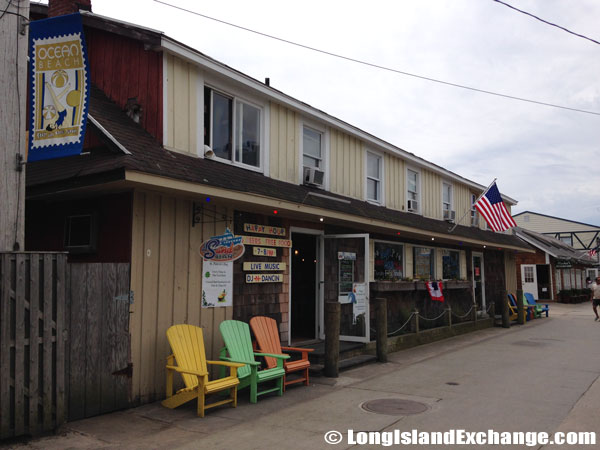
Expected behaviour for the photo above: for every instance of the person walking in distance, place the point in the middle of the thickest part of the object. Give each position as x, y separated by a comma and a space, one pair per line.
595, 287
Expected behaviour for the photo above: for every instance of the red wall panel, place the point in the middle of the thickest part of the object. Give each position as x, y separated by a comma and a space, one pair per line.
123, 69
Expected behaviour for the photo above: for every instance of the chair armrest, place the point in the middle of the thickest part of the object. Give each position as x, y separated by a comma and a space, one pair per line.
250, 363
297, 349
273, 355
226, 363
188, 371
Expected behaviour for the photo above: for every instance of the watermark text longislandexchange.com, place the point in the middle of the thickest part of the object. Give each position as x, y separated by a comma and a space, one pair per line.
460, 437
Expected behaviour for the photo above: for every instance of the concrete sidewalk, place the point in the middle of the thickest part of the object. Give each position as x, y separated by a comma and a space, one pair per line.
539, 377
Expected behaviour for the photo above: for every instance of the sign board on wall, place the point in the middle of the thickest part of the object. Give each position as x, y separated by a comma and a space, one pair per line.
225, 247
260, 266
264, 278
271, 242
264, 251
263, 229
563, 264
217, 283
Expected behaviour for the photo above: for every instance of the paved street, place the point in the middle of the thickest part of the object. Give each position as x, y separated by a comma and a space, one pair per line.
539, 377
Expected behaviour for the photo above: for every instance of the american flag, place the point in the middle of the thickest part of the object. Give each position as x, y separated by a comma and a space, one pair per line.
491, 207
593, 252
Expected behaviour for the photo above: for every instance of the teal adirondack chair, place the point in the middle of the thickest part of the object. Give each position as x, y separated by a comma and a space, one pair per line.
537, 308
238, 348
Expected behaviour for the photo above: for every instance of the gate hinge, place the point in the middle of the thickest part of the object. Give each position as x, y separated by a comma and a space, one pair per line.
125, 298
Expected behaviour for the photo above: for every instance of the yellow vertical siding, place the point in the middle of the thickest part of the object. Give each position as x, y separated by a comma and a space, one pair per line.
167, 283
395, 192
284, 144
462, 204
346, 165
182, 106
431, 194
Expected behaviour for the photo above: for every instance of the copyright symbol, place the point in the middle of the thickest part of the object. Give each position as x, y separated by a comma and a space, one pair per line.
333, 437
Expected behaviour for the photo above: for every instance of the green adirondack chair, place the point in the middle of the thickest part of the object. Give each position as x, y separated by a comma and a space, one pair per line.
238, 348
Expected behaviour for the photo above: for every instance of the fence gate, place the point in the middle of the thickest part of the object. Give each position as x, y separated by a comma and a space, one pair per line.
98, 351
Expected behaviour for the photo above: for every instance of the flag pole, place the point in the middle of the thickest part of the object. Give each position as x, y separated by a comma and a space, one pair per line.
451, 229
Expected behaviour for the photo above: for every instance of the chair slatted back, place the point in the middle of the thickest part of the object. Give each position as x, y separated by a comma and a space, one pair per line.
187, 344
267, 336
236, 336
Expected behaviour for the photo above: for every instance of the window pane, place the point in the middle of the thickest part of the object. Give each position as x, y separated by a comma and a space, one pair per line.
311, 162
248, 134
312, 143
373, 166
372, 189
446, 192
423, 263
412, 181
221, 127
450, 265
388, 261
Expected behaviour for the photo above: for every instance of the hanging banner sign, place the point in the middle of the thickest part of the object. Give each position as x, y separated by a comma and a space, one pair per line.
264, 251
217, 284
254, 240
58, 87
226, 247
264, 278
563, 264
263, 229
259, 266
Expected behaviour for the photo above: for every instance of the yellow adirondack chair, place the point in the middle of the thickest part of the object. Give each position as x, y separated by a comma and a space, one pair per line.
187, 343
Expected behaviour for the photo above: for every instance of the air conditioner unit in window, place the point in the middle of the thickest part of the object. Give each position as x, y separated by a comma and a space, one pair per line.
413, 206
313, 176
475, 221
449, 215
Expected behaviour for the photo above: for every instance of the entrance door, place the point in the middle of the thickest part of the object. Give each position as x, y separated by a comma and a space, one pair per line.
529, 279
345, 279
479, 280
542, 272
304, 289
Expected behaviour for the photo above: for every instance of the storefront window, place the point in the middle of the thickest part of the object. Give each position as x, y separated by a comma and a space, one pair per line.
423, 263
450, 265
389, 264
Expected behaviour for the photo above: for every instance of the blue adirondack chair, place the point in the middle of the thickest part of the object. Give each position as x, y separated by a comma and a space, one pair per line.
527, 310
538, 308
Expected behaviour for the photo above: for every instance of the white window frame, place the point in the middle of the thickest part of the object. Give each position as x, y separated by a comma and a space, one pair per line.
237, 96
474, 212
380, 182
419, 196
324, 150
451, 193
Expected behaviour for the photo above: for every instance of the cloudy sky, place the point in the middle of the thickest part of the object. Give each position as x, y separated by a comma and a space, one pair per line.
546, 158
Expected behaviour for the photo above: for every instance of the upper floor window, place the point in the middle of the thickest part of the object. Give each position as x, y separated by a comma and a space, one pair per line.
312, 148
232, 128
446, 197
412, 190
567, 239
474, 217
374, 163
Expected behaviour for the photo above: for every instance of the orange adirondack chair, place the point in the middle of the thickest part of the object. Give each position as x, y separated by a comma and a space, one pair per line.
267, 338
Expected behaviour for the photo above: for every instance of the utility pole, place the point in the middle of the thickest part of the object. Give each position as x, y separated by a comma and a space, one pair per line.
14, 32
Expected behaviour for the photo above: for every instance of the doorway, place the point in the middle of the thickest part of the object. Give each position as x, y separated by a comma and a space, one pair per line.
479, 280
543, 281
304, 287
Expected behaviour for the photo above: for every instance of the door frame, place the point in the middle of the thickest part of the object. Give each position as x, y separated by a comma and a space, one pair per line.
473, 255
535, 282
321, 282
318, 277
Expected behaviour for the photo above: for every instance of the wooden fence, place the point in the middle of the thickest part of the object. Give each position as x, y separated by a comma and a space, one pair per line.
64, 341
32, 342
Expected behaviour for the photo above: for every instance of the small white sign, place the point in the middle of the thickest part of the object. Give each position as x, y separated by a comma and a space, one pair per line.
264, 251
217, 283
